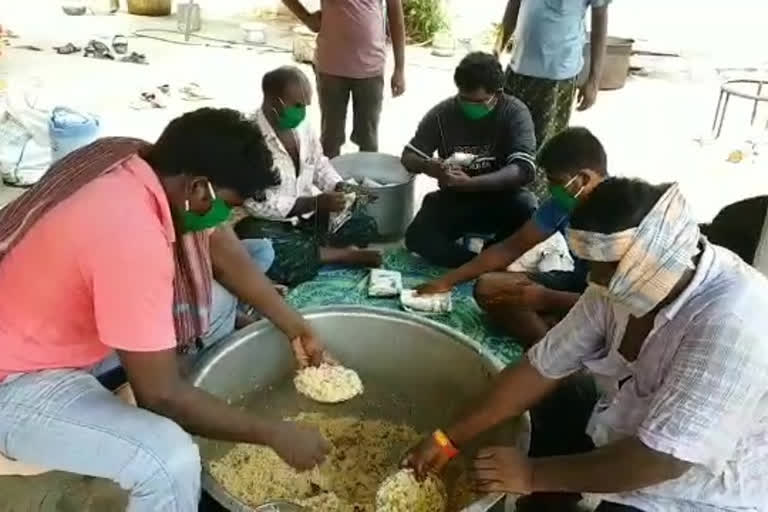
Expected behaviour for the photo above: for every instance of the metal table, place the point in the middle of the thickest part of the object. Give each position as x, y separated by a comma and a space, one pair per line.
188, 19
740, 89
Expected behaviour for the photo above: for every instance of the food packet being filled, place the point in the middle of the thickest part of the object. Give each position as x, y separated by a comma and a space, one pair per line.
337, 219
433, 303
384, 283
461, 159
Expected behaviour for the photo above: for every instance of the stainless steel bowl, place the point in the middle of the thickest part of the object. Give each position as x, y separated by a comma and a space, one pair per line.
415, 371
393, 210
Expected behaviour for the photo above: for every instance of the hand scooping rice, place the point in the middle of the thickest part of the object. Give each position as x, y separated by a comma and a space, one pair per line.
401, 492
328, 383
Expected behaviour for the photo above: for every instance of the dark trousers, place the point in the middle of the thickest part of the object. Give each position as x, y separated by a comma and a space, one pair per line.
446, 216
559, 428
367, 95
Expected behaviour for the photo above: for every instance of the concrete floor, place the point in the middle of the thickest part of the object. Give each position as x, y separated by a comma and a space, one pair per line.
59, 492
8, 194
649, 129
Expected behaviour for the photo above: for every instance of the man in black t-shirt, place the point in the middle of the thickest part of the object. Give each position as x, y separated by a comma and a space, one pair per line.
482, 193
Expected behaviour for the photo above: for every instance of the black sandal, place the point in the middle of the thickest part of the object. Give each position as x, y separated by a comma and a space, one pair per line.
67, 49
98, 50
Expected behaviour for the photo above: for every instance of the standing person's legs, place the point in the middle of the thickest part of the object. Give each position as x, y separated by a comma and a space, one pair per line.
333, 94
367, 97
65, 420
442, 219
550, 103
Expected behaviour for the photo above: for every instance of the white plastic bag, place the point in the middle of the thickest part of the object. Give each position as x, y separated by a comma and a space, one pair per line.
433, 303
25, 147
551, 254
384, 283
337, 219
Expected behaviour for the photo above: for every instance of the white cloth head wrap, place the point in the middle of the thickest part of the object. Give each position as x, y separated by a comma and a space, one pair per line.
652, 257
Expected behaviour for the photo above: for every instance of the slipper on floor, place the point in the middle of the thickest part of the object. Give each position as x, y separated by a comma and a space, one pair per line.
120, 44
67, 49
193, 92
157, 98
98, 50
136, 58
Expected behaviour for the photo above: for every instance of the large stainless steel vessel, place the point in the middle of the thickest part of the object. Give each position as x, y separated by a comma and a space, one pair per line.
415, 371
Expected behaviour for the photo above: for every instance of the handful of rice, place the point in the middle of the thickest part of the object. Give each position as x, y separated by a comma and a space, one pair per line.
401, 492
328, 383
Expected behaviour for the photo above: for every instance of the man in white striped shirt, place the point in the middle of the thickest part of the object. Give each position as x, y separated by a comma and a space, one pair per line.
672, 330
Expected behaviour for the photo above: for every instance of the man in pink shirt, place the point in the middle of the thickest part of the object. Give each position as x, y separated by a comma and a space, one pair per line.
99, 258
350, 61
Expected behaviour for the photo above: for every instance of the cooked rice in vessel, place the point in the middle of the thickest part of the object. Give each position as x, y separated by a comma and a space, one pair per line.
364, 454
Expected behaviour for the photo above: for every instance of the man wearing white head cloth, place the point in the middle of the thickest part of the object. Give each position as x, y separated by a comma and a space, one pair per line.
653, 392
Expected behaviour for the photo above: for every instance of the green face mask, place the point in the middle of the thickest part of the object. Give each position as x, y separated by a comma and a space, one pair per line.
475, 111
291, 117
217, 214
563, 197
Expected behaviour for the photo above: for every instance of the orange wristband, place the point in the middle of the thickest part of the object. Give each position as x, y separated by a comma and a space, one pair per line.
445, 444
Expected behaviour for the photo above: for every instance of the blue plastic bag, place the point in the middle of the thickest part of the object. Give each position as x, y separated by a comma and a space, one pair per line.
70, 130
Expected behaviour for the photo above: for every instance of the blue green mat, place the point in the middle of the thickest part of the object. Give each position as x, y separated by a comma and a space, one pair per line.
336, 286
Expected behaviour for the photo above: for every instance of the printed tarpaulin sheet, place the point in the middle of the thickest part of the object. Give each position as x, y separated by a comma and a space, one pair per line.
345, 286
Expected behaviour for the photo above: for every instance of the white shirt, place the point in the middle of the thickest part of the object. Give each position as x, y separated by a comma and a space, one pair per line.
316, 174
698, 390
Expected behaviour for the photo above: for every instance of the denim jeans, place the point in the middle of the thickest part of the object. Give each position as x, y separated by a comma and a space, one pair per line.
224, 304
66, 420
